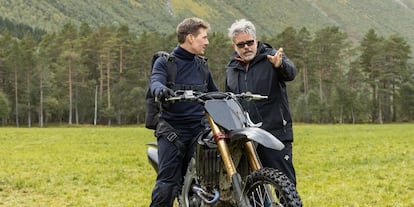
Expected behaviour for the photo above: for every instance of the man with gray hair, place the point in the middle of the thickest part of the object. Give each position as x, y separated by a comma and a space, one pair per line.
257, 67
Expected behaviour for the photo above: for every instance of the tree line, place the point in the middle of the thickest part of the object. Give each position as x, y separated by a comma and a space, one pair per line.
19, 30
85, 75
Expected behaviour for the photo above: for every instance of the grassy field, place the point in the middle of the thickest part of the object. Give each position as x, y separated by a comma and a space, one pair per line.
337, 165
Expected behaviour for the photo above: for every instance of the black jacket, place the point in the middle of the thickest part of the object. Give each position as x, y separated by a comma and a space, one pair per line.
260, 77
189, 72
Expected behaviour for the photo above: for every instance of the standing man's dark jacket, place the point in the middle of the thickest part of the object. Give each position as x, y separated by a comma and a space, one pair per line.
260, 77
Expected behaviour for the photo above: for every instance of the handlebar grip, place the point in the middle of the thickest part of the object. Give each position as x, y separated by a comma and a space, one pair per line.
174, 98
251, 96
259, 97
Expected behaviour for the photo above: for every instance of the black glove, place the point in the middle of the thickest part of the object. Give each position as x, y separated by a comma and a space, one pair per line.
164, 94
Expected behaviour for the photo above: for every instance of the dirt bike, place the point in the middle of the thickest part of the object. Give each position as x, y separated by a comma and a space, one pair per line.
225, 169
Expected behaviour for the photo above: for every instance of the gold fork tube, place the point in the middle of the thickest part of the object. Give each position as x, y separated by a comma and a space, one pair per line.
222, 147
225, 156
252, 156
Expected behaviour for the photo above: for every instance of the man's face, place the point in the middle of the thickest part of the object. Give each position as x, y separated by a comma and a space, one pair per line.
245, 45
199, 43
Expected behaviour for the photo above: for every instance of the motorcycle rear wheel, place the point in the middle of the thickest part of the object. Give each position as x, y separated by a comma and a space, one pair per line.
269, 187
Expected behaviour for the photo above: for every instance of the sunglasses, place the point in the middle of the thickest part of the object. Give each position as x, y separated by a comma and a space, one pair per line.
242, 44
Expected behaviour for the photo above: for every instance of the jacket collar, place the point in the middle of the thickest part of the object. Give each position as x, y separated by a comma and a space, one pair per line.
182, 53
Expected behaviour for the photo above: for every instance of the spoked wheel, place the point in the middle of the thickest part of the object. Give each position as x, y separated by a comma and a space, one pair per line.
267, 187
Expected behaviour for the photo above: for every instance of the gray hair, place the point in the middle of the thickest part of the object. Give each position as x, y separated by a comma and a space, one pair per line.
241, 26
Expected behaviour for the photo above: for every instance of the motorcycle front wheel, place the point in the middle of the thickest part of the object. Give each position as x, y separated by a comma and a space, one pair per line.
269, 187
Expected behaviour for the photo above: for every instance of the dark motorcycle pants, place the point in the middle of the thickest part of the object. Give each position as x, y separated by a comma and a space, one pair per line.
281, 160
173, 161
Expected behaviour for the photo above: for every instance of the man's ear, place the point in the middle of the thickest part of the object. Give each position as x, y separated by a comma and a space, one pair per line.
190, 38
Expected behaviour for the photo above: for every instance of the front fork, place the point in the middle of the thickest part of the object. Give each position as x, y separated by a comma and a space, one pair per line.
233, 175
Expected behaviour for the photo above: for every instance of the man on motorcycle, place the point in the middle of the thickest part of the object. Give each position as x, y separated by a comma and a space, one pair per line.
179, 122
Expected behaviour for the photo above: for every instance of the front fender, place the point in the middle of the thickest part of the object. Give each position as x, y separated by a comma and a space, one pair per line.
258, 135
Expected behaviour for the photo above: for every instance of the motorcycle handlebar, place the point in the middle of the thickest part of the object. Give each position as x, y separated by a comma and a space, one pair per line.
189, 95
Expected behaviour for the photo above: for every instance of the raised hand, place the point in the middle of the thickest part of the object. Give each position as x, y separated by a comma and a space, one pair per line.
276, 59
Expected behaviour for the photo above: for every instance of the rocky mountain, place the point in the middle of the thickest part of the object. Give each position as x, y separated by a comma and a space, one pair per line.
270, 16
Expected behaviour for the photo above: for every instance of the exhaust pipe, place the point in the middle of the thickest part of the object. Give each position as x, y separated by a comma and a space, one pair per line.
152, 154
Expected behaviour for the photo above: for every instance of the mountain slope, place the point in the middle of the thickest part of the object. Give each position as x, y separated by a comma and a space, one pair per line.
353, 16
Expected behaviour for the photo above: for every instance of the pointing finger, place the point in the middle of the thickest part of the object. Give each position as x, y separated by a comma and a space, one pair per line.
279, 51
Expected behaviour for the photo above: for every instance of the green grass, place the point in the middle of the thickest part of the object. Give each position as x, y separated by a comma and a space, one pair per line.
337, 165
355, 165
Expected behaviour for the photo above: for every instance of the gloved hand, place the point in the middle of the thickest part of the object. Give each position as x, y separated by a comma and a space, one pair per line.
164, 93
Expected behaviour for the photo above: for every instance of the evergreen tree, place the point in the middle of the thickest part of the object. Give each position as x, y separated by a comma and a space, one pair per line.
406, 98
4, 108
327, 51
370, 47
28, 45
397, 55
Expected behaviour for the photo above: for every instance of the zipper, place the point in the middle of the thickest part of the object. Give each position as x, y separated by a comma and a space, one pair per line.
245, 76
284, 122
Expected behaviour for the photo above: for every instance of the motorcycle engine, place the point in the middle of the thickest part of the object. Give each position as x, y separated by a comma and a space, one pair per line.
208, 161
